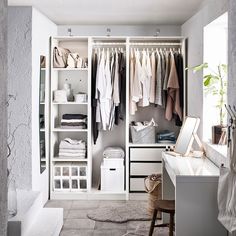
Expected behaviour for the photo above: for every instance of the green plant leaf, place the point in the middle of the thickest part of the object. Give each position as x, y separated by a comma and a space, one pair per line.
207, 81
224, 68
198, 67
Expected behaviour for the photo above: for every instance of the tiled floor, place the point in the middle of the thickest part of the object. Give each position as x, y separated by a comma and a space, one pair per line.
76, 222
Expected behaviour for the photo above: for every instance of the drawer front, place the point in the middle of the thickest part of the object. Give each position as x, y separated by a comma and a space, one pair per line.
145, 168
137, 184
146, 154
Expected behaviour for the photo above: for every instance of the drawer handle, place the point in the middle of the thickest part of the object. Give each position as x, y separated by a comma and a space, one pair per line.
112, 169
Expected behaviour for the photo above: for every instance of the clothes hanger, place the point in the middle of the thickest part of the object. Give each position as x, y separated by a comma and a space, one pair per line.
232, 112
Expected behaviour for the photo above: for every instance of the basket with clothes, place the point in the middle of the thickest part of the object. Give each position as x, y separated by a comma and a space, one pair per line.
143, 132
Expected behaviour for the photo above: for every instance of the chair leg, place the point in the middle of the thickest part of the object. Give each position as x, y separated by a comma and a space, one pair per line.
171, 227
154, 216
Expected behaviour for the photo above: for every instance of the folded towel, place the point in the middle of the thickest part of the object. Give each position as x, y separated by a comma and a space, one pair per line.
73, 116
82, 124
114, 152
71, 154
72, 150
73, 127
77, 157
74, 120
72, 144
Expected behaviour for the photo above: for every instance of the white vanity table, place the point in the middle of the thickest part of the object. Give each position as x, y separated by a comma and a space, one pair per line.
192, 182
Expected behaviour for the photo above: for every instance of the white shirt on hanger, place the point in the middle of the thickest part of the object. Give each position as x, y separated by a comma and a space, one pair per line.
145, 79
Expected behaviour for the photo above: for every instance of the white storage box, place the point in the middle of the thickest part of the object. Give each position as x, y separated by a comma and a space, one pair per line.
112, 178
113, 162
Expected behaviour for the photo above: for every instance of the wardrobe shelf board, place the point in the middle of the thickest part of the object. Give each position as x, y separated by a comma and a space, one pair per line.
70, 69
58, 159
42, 103
70, 103
42, 130
69, 130
151, 144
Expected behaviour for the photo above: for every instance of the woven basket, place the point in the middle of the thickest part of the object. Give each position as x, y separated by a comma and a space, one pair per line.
153, 188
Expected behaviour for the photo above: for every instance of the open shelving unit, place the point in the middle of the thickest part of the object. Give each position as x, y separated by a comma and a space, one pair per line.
68, 182
80, 79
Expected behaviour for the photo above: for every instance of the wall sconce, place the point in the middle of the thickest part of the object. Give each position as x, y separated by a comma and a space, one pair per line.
157, 33
69, 31
108, 32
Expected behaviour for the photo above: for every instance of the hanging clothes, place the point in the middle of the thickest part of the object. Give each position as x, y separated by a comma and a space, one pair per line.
93, 99
120, 109
107, 83
157, 78
145, 79
132, 104
179, 68
159, 81
173, 101
153, 79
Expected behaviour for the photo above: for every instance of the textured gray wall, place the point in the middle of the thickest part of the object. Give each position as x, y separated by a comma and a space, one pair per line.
232, 53
19, 85
3, 117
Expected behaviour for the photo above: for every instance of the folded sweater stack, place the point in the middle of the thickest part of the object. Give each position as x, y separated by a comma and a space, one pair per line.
70, 148
75, 121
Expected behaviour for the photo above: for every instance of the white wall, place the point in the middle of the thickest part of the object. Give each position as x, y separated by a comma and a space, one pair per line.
193, 30
20, 86
3, 118
42, 29
120, 30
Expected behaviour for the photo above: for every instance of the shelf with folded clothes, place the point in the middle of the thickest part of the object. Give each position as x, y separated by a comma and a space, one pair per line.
72, 123
69, 148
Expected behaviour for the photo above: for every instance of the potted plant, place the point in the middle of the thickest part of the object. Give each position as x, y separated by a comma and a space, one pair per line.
215, 84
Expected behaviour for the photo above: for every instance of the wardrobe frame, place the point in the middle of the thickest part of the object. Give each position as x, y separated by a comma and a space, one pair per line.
128, 42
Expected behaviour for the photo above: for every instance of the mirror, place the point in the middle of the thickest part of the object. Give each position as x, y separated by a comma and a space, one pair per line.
187, 135
42, 143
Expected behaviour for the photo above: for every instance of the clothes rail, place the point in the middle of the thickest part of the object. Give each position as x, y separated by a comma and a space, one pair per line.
155, 44
108, 44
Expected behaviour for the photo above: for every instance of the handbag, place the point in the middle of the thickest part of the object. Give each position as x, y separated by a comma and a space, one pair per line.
227, 189
60, 56
72, 61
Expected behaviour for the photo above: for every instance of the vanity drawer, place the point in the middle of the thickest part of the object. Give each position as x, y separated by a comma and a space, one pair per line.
146, 154
137, 184
145, 169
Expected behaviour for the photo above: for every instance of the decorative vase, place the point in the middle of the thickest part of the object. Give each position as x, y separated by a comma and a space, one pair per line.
12, 199
217, 131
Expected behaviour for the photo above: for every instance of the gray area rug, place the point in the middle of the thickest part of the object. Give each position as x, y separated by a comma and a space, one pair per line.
120, 214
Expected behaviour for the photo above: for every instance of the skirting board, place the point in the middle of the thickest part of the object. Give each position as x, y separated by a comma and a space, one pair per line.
88, 196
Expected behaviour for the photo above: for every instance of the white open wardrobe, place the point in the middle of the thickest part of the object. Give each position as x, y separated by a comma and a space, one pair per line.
80, 178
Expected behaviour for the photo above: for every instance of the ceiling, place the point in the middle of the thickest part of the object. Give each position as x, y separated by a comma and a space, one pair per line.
128, 12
